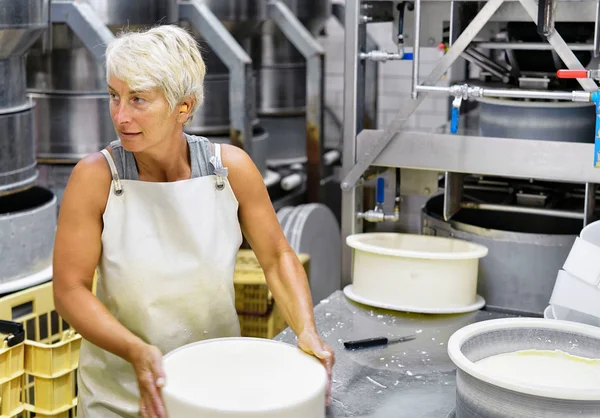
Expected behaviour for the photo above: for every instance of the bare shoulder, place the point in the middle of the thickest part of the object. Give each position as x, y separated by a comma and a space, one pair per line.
239, 164
89, 183
245, 179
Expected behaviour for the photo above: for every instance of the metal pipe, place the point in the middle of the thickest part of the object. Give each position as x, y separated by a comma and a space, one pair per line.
382, 56
529, 94
314, 54
521, 209
416, 50
530, 46
576, 96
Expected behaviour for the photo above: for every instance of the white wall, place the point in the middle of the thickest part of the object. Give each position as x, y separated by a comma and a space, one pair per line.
394, 78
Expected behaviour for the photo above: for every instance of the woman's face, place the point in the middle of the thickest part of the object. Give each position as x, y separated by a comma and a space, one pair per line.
142, 119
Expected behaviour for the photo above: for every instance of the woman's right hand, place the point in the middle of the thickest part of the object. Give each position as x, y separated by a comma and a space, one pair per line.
147, 362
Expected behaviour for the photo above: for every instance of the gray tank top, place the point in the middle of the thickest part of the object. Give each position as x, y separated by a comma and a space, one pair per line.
200, 153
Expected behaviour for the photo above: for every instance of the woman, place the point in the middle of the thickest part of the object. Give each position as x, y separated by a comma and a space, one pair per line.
161, 214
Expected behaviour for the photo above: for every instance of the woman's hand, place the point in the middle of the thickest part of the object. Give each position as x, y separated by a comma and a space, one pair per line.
311, 342
147, 362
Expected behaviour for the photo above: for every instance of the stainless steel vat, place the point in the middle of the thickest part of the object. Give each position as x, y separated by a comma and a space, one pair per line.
69, 127
549, 121
242, 18
282, 76
287, 140
134, 12
525, 252
13, 91
27, 228
21, 22
212, 118
17, 151
67, 67
55, 177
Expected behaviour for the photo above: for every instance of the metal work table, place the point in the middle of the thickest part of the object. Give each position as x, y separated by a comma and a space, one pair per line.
413, 379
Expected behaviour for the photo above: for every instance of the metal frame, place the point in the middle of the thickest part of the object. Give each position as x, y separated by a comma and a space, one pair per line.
314, 54
395, 146
86, 24
224, 45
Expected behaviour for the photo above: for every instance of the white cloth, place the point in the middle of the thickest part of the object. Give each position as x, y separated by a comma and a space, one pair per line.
166, 273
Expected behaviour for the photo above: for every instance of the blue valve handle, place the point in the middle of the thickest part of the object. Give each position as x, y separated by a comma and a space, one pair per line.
596, 100
380, 189
455, 118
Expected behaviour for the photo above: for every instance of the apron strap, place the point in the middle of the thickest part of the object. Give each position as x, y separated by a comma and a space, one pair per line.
220, 171
118, 189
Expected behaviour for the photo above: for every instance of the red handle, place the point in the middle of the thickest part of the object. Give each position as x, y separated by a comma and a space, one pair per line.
572, 74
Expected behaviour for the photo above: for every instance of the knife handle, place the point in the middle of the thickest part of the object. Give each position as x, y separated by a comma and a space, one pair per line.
369, 342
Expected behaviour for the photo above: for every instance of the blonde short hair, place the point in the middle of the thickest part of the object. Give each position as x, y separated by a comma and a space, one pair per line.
165, 57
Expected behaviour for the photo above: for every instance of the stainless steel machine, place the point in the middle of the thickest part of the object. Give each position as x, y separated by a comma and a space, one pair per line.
27, 213
65, 76
515, 166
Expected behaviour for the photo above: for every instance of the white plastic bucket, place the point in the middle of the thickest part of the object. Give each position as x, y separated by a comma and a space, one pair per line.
243, 378
415, 270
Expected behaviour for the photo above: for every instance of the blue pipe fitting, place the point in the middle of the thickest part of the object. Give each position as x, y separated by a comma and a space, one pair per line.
380, 189
596, 100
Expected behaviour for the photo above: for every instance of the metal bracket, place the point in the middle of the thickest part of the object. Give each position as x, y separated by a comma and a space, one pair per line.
409, 107
224, 45
314, 54
86, 24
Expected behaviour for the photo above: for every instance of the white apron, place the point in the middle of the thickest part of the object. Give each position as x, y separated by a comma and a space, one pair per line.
166, 273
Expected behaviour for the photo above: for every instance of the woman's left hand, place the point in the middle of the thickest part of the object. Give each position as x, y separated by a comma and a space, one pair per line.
311, 342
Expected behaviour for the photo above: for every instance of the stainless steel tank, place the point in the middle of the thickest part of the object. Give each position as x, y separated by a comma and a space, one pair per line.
525, 252
134, 12
27, 229
242, 18
281, 95
69, 84
21, 22
212, 118
543, 120
17, 151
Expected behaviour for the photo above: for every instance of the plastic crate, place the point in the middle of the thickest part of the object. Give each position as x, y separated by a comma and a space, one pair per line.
262, 326
10, 397
252, 296
49, 356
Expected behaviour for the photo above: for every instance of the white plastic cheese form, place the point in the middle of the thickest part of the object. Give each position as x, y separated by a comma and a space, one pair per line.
243, 377
415, 270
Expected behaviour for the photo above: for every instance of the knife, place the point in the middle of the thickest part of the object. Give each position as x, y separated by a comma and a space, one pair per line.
373, 342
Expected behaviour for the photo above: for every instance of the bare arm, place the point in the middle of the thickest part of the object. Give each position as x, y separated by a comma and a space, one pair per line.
77, 250
284, 273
